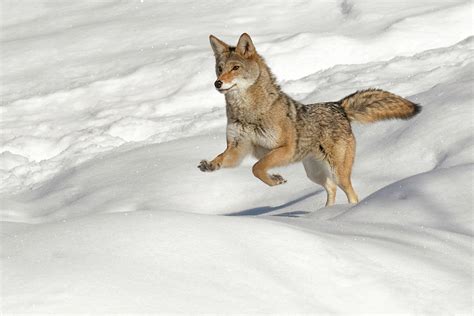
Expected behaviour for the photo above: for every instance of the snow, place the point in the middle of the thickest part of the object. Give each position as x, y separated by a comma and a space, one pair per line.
108, 107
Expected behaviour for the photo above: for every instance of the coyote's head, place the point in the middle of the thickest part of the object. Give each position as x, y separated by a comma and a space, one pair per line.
236, 67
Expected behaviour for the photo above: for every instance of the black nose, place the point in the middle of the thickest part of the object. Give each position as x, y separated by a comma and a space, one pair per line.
218, 84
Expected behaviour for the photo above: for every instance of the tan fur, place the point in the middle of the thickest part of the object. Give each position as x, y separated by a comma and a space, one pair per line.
227, 77
375, 105
277, 130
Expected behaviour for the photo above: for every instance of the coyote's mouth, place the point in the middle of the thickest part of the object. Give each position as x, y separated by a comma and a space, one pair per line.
226, 90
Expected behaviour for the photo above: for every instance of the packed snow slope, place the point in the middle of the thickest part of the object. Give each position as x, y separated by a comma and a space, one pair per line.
108, 107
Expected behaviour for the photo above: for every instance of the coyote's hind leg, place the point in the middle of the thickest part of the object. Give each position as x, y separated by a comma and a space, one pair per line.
342, 162
319, 172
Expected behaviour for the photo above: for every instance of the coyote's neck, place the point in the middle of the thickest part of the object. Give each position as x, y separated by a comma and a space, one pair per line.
259, 97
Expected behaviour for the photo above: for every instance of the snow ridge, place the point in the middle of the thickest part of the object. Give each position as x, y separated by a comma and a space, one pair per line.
108, 107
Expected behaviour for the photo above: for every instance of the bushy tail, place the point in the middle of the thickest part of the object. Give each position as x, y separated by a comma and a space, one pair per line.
374, 105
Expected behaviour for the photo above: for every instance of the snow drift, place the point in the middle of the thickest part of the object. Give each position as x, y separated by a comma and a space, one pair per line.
108, 107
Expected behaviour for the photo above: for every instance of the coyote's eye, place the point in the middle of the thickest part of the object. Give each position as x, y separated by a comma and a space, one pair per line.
219, 69
235, 68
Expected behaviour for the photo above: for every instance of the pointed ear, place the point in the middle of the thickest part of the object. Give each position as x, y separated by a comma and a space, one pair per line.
245, 46
217, 45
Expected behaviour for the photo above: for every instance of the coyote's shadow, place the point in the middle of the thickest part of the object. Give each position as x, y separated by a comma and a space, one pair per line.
267, 209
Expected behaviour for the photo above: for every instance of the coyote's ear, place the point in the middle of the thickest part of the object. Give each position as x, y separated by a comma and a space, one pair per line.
217, 45
245, 46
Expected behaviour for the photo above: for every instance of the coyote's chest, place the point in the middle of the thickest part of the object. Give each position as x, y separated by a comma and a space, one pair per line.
255, 133
247, 122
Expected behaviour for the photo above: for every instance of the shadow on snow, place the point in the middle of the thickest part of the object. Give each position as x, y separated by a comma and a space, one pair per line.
267, 209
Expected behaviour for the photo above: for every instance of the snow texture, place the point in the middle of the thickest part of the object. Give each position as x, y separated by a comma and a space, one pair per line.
107, 107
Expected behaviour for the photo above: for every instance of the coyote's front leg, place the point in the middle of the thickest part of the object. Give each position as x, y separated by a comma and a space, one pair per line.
231, 157
278, 157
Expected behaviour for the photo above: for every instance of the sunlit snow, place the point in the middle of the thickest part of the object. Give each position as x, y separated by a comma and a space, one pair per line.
107, 107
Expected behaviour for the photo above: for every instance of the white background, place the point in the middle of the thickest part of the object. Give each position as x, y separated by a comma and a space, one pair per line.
107, 107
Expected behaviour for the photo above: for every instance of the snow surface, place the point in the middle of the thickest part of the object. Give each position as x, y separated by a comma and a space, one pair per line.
108, 106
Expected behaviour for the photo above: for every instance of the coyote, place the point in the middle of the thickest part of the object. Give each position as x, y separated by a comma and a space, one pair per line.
262, 120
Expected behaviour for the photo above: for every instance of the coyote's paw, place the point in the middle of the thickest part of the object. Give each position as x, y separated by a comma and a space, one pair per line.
277, 179
206, 166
